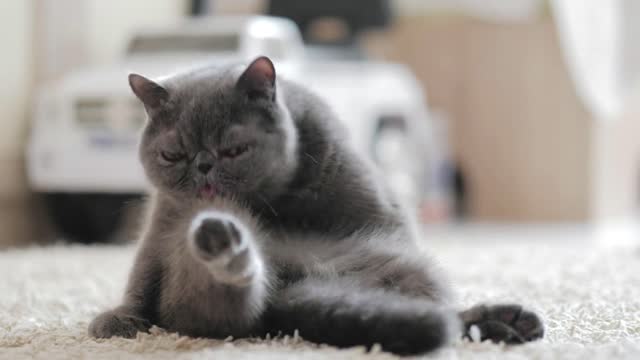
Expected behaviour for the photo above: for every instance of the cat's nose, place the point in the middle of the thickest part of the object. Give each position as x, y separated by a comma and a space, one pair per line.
204, 168
204, 162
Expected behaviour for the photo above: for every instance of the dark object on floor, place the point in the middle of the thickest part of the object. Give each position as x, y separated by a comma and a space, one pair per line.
86, 217
358, 15
508, 323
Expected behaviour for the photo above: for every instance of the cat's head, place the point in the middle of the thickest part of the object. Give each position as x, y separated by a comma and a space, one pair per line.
217, 132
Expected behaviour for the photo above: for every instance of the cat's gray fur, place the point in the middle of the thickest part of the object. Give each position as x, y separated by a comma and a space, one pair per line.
264, 220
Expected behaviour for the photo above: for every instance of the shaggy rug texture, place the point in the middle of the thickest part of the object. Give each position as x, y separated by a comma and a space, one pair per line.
586, 285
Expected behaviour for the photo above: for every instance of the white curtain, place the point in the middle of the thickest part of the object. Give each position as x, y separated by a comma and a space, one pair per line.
600, 41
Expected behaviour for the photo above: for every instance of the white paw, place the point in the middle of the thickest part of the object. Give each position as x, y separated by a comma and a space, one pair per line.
222, 243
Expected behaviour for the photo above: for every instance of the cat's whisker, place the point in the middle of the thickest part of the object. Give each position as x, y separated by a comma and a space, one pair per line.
311, 157
267, 203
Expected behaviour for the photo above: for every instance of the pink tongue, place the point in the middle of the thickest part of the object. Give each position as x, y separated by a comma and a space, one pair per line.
208, 191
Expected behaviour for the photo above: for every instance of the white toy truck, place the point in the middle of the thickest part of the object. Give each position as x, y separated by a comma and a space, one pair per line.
82, 149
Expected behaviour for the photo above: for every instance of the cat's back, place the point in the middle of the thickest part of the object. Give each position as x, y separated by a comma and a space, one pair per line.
336, 190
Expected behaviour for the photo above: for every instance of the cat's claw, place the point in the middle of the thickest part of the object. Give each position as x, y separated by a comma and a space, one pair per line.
224, 248
508, 323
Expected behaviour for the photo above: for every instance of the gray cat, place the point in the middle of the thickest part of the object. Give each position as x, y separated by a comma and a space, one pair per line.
264, 221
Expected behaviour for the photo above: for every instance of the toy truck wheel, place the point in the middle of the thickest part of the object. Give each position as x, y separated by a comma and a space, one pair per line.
88, 218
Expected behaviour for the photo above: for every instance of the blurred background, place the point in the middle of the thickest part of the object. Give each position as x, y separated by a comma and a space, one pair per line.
476, 111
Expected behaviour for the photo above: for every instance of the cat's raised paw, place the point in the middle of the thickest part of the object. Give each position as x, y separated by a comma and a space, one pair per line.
215, 239
221, 244
508, 323
115, 323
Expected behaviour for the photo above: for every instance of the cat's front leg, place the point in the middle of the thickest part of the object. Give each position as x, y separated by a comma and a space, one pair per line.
227, 248
137, 311
121, 321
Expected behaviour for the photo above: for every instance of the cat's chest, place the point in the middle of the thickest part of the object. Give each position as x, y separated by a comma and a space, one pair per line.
326, 214
193, 302
295, 255
301, 221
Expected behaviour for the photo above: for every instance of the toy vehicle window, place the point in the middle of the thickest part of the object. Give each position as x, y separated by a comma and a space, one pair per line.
183, 43
91, 112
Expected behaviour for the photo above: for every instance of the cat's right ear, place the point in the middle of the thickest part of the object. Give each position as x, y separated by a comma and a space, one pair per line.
152, 95
259, 79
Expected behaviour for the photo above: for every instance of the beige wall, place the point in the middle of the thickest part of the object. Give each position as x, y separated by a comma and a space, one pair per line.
16, 74
524, 137
517, 126
529, 147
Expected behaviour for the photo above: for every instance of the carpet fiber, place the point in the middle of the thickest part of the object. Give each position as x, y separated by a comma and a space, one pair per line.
586, 286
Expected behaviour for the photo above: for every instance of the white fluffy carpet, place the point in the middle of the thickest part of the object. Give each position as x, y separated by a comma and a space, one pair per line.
586, 285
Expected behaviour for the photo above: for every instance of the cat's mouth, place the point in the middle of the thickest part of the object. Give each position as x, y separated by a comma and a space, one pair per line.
208, 191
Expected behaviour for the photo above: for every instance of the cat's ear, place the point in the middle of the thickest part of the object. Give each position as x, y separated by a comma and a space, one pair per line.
258, 81
152, 95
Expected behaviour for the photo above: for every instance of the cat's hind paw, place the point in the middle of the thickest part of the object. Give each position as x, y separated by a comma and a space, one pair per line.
223, 245
508, 323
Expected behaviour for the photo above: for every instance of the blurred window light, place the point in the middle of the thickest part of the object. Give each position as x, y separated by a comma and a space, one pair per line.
277, 38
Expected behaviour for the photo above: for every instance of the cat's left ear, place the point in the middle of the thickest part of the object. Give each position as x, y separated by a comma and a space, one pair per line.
258, 81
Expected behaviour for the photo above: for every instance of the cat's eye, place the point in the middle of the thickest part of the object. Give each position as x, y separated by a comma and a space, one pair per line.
172, 157
234, 151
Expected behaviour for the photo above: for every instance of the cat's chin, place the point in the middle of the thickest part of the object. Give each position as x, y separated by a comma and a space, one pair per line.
208, 192
211, 193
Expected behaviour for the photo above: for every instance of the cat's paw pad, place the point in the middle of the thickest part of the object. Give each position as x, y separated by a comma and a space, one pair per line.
114, 323
508, 323
223, 246
216, 240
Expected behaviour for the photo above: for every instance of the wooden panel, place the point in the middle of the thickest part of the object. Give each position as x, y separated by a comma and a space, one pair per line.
517, 126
